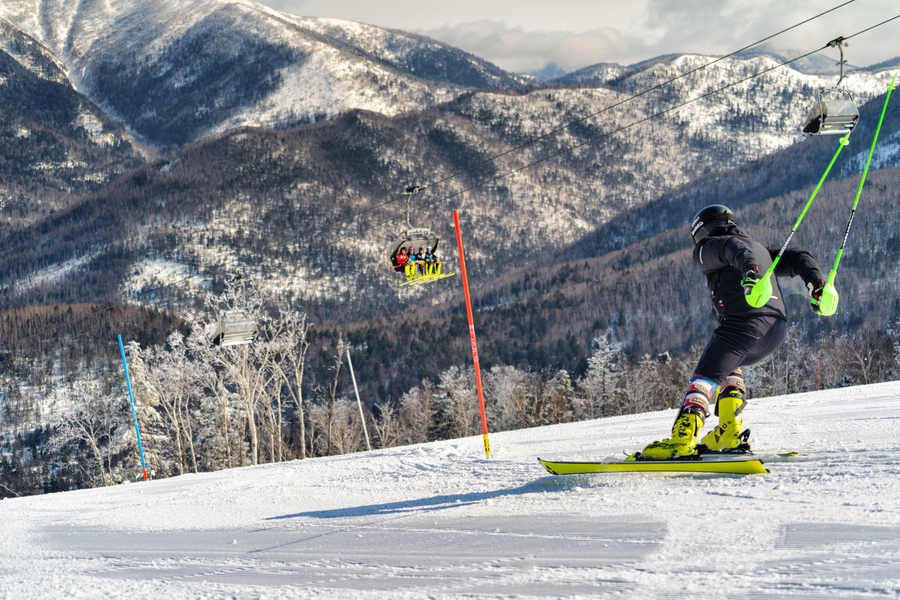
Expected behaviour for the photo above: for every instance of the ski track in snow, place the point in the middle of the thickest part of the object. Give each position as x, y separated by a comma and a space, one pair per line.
440, 520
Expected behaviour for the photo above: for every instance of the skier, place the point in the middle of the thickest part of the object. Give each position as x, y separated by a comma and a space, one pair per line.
732, 263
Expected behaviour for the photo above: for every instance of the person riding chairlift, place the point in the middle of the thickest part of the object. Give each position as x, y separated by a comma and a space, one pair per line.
420, 259
401, 259
430, 261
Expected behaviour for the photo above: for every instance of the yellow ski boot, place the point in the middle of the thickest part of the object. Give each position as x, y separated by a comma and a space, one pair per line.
727, 436
683, 441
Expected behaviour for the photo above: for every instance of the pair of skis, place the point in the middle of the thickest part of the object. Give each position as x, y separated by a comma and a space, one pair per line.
728, 464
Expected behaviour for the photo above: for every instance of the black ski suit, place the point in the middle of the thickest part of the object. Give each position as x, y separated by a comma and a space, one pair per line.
745, 335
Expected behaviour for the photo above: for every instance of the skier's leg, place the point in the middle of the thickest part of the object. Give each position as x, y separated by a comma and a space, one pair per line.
729, 405
735, 342
694, 410
769, 334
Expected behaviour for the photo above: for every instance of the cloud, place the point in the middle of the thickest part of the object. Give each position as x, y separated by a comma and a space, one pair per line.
527, 35
523, 51
723, 26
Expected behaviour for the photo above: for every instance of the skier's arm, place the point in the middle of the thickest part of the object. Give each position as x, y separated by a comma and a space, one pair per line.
798, 263
716, 253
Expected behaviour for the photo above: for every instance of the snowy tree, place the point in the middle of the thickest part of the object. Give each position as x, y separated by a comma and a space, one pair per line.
346, 428
92, 417
340, 350
598, 386
295, 339
171, 380
510, 399
559, 405
388, 425
416, 409
455, 410
248, 368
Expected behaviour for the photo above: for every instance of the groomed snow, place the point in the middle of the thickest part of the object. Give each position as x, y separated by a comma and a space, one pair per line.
440, 520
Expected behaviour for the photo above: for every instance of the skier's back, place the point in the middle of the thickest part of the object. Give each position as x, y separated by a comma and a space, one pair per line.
732, 263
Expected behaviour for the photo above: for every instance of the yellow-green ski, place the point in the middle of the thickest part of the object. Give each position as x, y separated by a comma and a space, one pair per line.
740, 466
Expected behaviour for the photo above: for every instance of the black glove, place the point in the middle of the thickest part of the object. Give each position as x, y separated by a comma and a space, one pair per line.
750, 279
815, 291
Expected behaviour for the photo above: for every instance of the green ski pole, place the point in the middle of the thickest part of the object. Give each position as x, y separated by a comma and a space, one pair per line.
762, 289
829, 300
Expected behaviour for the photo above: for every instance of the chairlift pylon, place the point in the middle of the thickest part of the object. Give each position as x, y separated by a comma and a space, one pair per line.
833, 116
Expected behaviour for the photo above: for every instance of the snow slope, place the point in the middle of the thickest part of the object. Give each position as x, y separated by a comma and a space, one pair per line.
440, 520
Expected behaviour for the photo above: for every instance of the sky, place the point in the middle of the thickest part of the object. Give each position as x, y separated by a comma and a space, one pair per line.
527, 35
439, 520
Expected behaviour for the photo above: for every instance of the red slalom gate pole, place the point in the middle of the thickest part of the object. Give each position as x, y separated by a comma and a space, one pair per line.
465, 281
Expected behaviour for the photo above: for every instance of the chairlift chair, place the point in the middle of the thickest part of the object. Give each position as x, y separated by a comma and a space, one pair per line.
833, 116
234, 328
412, 237
419, 237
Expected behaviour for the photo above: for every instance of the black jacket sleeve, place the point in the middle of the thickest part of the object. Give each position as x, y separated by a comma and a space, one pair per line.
798, 263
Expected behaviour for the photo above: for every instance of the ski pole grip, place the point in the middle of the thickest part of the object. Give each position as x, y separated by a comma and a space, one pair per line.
761, 292
828, 302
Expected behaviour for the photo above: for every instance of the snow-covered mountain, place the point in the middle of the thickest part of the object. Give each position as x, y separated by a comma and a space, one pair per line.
272, 202
440, 520
618, 153
177, 70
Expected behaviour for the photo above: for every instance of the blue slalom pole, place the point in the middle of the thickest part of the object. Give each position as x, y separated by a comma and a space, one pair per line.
133, 412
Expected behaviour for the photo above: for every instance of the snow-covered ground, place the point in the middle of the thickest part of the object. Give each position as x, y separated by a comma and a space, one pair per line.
442, 521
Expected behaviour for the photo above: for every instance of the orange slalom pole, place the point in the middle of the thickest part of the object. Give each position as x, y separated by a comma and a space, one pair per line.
465, 281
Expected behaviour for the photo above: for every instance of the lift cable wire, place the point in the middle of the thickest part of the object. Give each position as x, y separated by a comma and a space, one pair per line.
630, 98
444, 199
594, 114
495, 178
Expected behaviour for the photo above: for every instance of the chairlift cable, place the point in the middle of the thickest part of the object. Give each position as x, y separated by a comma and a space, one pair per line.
581, 120
630, 98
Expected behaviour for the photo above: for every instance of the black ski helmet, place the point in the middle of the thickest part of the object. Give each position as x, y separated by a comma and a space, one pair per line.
709, 218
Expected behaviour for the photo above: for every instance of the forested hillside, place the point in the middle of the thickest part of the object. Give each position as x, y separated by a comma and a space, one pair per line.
55, 146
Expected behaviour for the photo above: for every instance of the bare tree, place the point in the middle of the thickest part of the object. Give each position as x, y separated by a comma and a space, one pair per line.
388, 426
95, 418
293, 363
510, 396
342, 347
170, 378
416, 410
